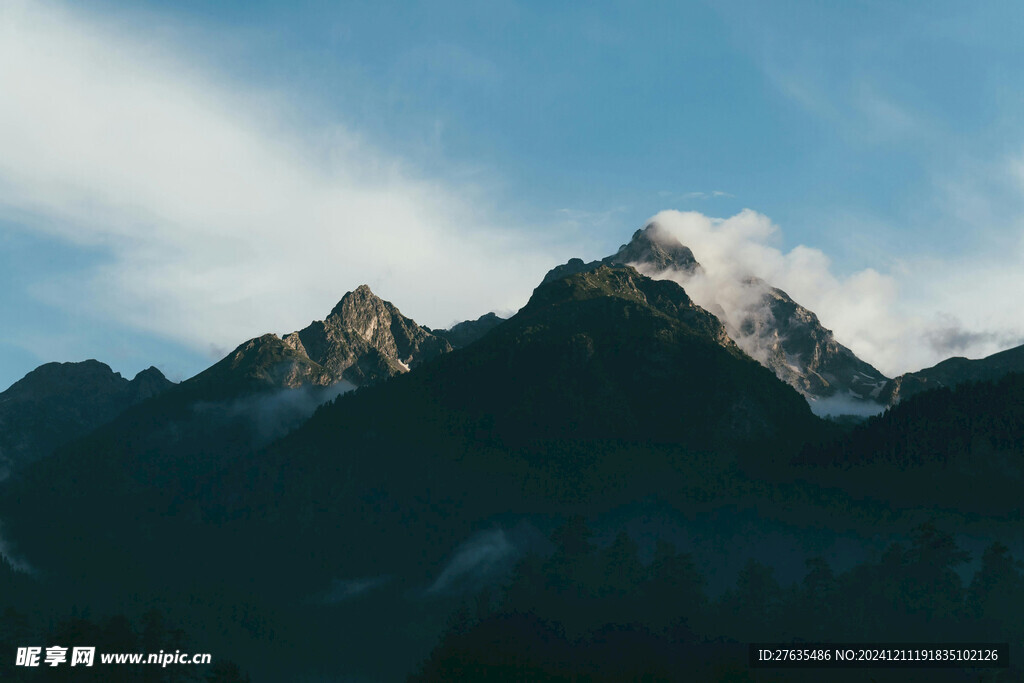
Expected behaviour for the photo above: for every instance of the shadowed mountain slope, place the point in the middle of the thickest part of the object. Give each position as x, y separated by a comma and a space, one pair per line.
59, 402
467, 332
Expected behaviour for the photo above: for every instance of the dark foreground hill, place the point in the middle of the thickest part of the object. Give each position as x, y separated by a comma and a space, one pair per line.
599, 611
959, 448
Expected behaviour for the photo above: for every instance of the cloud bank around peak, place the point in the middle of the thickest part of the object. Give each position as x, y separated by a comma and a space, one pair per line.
913, 316
218, 213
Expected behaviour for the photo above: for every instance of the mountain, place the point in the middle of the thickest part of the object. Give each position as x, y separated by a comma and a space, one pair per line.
363, 340
968, 428
656, 248
554, 399
58, 402
551, 398
160, 453
953, 372
610, 397
467, 332
605, 386
611, 350
769, 325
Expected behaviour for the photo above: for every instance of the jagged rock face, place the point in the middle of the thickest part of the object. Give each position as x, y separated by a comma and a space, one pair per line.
772, 328
803, 353
465, 333
265, 361
58, 402
364, 340
953, 371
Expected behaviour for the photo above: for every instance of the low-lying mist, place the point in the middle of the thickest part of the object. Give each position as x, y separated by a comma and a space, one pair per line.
272, 415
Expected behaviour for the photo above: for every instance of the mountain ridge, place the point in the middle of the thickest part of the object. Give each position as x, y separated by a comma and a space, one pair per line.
58, 402
468, 331
953, 372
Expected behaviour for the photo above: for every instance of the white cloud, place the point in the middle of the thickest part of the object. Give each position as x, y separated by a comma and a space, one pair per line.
223, 215
898, 321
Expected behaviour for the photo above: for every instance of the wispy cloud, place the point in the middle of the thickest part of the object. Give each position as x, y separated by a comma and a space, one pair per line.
901, 319
221, 213
854, 105
476, 561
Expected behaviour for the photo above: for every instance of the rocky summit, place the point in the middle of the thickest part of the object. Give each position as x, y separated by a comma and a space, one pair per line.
363, 340
366, 339
771, 327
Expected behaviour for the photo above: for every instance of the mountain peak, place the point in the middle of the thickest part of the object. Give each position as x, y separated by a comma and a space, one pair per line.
366, 339
56, 379
653, 247
363, 340
150, 382
359, 297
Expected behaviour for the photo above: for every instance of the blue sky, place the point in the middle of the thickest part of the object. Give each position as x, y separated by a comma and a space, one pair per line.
176, 177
